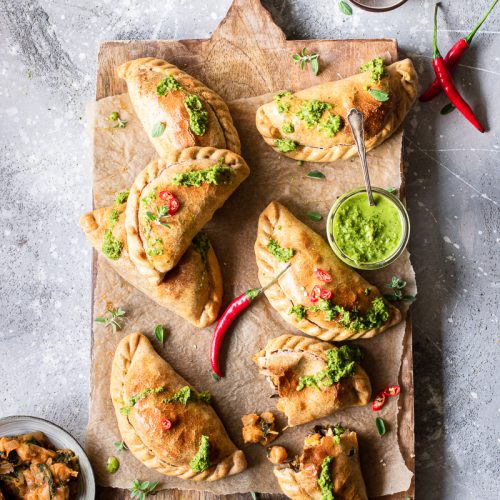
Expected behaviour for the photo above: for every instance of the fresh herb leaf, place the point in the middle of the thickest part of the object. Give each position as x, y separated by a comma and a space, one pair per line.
115, 117
215, 377
447, 109
160, 333
391, 190
379, 95
254, 495
398, 286
113, 318
142, 490
285, 145
303, 58
158, 129
380, 426
120, 123
316, 174
345, 8
315, 216
161, 212
120, 446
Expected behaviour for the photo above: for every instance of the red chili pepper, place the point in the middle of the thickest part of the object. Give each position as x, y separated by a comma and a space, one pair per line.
232, 311
379, 401
446, 80
323, 275
392, 390
453, 57
166, 424
315, 293
326, 294
165, 195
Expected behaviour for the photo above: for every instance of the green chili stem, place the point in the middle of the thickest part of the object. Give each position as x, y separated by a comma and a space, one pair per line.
470, 36
436, 53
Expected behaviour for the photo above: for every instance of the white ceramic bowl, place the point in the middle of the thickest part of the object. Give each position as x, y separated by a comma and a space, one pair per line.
15, 425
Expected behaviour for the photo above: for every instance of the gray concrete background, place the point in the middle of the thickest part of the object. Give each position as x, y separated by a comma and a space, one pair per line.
47, 71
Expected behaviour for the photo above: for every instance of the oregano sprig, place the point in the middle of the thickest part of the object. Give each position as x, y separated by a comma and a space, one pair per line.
304, 59
113, 317
142, 490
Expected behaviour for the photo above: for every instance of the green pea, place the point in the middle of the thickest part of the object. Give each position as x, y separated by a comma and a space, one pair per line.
112, 465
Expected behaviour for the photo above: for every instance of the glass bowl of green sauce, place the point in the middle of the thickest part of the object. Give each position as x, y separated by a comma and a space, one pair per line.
366, 237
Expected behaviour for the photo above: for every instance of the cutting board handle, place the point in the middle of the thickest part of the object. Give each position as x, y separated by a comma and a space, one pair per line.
252, 18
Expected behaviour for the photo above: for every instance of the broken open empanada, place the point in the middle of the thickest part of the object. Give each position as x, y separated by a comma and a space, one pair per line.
176, 110
328, 467
167, 424
311, 125
201, 179
312, 378
193, 289
349, 307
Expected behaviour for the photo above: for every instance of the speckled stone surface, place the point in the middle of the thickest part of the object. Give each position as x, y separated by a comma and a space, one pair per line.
48, 54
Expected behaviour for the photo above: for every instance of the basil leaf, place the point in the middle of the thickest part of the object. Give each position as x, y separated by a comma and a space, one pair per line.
316, 174
345, 8
447, 109
380, 95
390, 190
160, 333
314, 216
158, 129
380, 426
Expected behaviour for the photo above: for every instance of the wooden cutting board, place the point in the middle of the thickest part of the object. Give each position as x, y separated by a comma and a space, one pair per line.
248, 55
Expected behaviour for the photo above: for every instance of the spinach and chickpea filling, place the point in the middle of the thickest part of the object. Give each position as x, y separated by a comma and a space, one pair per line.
198, 115
340, 363
378, 71
313, 113
377, 315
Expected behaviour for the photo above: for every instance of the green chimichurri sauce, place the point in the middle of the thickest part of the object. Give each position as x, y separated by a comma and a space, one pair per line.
367, 234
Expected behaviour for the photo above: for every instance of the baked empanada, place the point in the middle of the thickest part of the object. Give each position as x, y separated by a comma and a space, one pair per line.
328, 467
167, 424
193, 289
201, 180
176, 110
350, 308
311, 125
312, 378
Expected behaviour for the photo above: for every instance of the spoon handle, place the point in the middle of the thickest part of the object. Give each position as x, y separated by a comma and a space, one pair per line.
355, 119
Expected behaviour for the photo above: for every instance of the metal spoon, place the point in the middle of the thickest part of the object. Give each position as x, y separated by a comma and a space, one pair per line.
355, 119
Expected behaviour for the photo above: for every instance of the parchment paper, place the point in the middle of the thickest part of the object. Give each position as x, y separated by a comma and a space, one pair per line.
119, 154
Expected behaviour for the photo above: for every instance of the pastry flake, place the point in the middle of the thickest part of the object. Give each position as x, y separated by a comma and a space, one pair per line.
311, 125
347, 306
193, 289
194, 445
201, 180
328, 467
297, 368
176, 110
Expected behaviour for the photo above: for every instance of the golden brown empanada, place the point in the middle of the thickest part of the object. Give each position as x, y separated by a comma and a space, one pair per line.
297, 369
167, 424
201, 179
356, 309
328, 467
193, 289
164, 98
304, 125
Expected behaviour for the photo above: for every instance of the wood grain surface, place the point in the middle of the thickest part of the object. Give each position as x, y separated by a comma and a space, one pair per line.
248, 55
